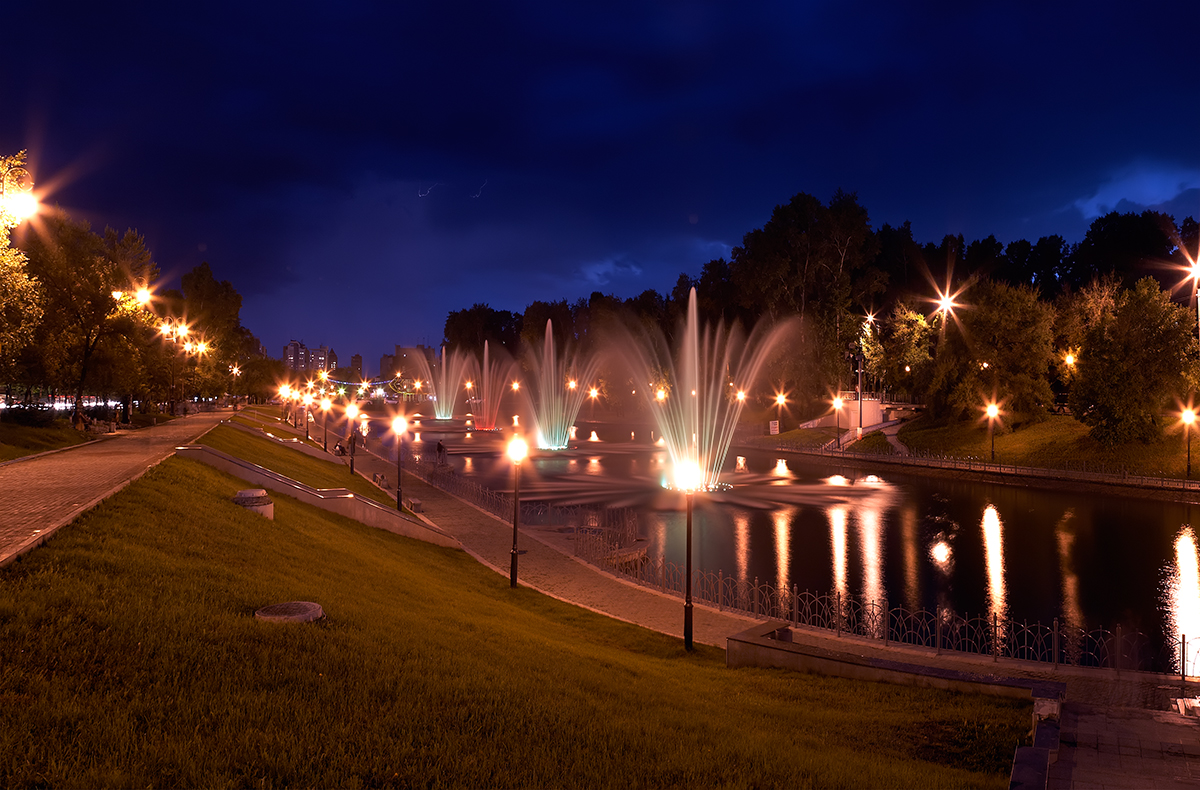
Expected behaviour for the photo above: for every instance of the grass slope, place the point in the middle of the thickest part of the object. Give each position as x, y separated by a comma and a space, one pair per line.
129, 656
1059, 442
286, 461
17, 441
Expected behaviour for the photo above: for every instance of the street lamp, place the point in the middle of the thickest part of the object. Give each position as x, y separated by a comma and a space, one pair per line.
837, 410
308, 401
687, 477
16, 199
1188, 417
993, 411
351, 416
326, 405
517, 450
399, 426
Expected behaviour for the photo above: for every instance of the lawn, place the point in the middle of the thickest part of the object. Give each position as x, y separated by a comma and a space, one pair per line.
802, 438
129, 656
17, 441
291, 463
1059, 442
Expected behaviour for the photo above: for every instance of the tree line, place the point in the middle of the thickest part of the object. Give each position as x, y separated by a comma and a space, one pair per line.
1103, 328
81, 316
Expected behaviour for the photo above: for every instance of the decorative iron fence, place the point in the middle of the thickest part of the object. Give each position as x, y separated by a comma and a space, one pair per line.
609, 538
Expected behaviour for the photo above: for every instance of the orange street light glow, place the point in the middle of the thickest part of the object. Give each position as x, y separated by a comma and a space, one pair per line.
780, 399
593, 392
837, 403
352, 411
1188, 416
570, 385
516, 386
741, 396
992, 411
517, 449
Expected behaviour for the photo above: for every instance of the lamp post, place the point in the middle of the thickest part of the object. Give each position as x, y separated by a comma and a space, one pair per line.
308, 401
351, 416
1188, 417
837, 410
326, 405
992, 412
399, 426
687, 477
517, 449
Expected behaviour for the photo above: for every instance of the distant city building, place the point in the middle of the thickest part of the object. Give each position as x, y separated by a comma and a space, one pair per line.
387, 366
322, 359
295, 356
299, 357
356, 366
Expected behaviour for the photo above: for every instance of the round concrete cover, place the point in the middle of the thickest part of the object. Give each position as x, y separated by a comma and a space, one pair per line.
291, 612
251, 497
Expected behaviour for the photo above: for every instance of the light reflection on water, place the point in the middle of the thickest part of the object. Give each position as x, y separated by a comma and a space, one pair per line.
1183, 596
993, 545
1094, 561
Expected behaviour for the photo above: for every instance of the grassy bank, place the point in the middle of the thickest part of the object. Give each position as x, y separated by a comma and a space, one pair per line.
286, 461
17, 441
129, 656
1059, 442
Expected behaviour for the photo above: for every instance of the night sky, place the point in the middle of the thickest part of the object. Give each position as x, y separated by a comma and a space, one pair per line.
358, 170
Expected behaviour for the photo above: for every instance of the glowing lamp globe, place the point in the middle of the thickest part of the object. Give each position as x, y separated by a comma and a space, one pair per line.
992, 411
688, 476
517, 450
21, 205
352, 411
1188, 416
399, 425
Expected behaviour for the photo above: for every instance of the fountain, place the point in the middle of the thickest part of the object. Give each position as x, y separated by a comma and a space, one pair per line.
490, 387
558, 391
710, 374
444, 380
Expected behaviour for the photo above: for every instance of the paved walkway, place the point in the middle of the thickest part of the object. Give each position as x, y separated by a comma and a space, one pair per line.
1116, 731
45, 492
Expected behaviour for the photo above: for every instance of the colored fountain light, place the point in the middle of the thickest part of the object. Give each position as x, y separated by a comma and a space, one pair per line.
443, 379
554, 397
698, 430
484, 400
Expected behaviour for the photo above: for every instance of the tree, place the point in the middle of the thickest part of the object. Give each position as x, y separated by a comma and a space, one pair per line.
20, 295
468, 329
1135, 360
900, 352
89, 283
1128, 245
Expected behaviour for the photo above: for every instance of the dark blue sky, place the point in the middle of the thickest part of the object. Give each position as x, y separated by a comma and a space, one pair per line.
359, 170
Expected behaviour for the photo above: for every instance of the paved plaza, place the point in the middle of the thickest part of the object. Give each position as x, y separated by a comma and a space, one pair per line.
1116, 731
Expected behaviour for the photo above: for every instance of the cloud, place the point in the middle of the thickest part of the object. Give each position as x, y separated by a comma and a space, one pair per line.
602, 272
1140, 184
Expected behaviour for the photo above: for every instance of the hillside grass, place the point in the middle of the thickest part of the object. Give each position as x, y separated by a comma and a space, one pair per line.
1059, 442
129, 656
18, 441
291, 463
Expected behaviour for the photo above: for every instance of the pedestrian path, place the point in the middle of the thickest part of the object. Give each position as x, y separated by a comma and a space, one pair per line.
41, 494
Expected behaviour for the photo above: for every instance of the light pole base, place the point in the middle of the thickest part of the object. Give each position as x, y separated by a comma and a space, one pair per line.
512, 571
687, 626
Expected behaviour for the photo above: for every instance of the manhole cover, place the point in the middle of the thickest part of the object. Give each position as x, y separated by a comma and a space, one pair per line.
291, 612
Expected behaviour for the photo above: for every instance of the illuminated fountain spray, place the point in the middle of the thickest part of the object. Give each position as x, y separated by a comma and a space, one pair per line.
559, 384
444, 381
493, 381
708, 376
